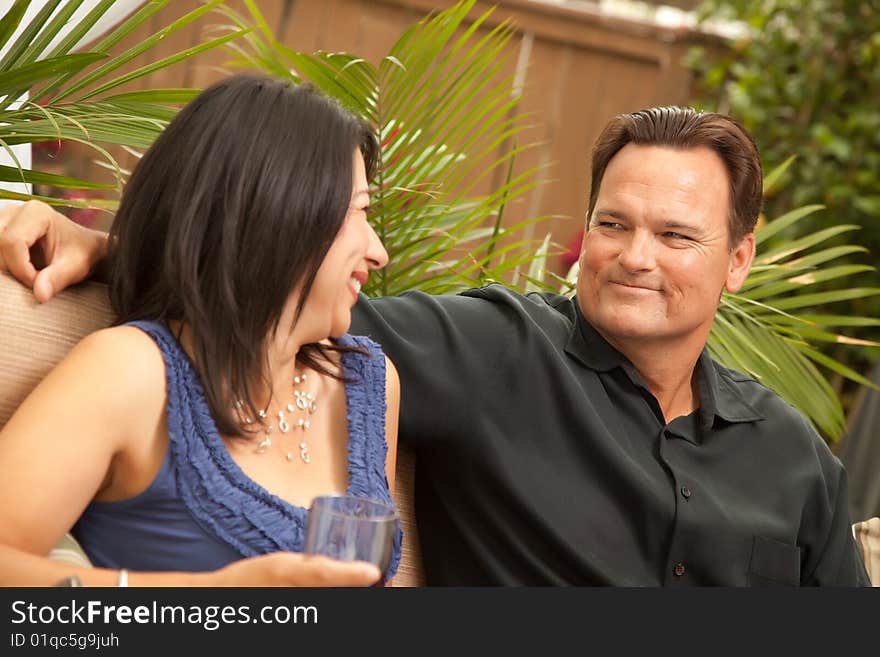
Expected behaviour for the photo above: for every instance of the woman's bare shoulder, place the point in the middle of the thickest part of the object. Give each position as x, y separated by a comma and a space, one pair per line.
118, 362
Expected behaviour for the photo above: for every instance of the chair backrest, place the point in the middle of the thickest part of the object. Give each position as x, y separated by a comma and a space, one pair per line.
34, 337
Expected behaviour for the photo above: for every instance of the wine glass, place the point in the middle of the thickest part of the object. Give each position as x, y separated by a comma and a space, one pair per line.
352, 528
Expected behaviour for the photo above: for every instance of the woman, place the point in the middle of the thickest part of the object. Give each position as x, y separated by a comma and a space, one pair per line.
189, 438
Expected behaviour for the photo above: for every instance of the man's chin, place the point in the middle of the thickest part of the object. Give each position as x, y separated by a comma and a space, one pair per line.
637, 327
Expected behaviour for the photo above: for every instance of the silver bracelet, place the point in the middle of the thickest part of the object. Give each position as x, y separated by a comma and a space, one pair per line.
123, 577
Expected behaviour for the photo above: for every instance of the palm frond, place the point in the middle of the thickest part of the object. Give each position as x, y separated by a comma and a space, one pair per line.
779, 364
770, 327
75, 90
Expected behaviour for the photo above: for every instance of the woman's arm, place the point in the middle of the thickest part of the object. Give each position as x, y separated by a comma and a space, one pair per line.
56, 450
18, 568
392, 414
90, 428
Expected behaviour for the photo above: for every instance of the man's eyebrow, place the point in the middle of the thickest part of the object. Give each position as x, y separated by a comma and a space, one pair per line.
677, 225
667, 224
606, 212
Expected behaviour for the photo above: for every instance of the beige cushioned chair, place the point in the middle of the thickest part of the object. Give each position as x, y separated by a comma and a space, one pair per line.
34, 337
867, 533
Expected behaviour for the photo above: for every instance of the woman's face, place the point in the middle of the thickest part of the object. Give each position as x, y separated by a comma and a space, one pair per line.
355, 251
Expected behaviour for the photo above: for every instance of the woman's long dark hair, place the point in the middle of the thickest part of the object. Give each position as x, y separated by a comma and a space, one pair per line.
235, 204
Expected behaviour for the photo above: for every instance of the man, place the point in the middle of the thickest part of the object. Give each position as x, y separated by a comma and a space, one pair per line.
593, 440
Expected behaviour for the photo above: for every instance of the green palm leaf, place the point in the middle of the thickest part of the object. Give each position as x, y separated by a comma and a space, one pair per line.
779, 365
15, 82
785, 221
763, 274
808, 277
769, 329
73, 89
13, 174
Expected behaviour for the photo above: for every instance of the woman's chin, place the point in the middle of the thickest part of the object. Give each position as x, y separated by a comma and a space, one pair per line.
340, 329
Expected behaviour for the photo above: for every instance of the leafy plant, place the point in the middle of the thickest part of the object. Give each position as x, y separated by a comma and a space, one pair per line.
76, 96
445, 115
805, 81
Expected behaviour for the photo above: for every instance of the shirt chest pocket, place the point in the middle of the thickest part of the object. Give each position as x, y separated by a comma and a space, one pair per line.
774, 563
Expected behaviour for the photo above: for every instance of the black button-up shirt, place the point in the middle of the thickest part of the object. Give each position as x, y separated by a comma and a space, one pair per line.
543, 459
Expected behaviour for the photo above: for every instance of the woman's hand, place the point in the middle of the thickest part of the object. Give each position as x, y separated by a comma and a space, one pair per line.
295, 569
21, 568
66, 251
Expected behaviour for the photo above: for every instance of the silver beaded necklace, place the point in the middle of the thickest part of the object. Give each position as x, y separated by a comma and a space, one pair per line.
303, 405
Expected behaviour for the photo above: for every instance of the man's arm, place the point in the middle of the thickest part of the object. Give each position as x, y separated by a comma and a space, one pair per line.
831, 556
424, 336
47, 251
447, 349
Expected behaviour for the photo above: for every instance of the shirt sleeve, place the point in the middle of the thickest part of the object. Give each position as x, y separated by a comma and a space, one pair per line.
441, 346
837, 560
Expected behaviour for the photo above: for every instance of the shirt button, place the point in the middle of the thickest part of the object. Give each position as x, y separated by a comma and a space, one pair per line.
685, 492
679, 569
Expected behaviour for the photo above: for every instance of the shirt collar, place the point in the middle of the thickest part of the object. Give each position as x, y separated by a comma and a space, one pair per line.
719, 398
586, 345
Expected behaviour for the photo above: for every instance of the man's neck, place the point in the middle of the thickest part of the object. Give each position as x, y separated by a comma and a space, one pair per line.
668, 369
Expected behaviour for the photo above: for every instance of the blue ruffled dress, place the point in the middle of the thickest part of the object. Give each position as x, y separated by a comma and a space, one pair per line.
202, 512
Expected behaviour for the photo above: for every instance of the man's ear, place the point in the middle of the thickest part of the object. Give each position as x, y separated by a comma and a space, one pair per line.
740, 263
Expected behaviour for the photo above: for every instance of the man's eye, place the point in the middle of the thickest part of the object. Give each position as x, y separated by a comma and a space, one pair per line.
610, 224
676, 236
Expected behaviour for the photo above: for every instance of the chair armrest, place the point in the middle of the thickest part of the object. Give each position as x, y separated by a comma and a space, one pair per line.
867, 535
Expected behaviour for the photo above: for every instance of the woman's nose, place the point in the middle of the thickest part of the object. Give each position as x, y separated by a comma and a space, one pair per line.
376, 253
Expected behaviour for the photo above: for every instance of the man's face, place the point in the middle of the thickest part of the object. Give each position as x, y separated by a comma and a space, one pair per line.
656, 255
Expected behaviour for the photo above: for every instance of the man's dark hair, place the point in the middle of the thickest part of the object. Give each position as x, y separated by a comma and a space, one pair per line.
685, 128
235, 205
